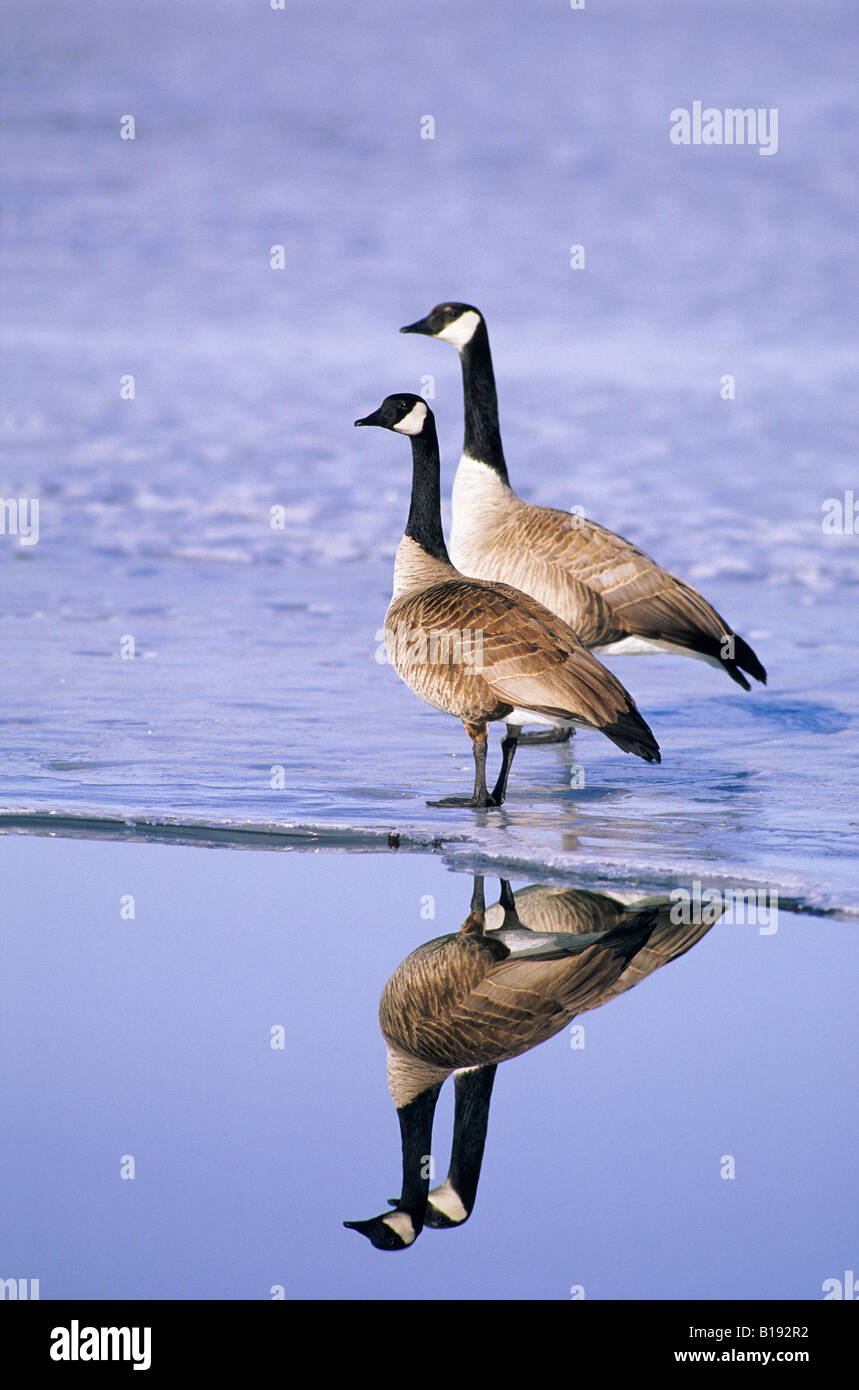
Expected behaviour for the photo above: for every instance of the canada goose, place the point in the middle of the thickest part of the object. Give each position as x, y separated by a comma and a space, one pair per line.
615, 597
464, 1003
516, 661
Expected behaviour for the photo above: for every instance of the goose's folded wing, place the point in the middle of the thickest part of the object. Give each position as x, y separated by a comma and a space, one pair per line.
523, 1002
668, 941
649, 599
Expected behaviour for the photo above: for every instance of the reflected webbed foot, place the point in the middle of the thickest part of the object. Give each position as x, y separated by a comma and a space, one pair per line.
472, 802
545, 736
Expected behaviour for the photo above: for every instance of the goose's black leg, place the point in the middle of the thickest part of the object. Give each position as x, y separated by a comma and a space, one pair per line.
546, 736
475, 922
508, 748
478, 899
508, 902
480, 797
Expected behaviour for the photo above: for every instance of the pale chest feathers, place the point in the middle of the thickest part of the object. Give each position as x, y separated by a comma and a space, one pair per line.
481, 504
443, 665
415, 570
408, 1076
489, 538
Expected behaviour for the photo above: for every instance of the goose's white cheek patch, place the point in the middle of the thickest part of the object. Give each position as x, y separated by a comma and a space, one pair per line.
413, 423
448, 1201
401, 1222
461, 331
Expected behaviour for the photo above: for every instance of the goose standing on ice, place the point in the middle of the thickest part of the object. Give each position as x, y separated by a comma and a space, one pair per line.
514, 660
463, 1003
611, 593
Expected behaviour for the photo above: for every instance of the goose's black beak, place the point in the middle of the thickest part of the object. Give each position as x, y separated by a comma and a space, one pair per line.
374, 419
422, 326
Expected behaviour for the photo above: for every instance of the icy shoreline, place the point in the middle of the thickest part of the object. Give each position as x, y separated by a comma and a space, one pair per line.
463, 852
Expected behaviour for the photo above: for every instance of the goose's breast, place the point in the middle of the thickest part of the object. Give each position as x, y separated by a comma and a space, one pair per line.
441, 662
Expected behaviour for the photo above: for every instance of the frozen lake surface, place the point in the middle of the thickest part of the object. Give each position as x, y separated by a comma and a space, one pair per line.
255, 647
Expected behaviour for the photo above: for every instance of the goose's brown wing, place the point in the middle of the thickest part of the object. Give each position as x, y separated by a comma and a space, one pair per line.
667, 942
644, 599
521, 1002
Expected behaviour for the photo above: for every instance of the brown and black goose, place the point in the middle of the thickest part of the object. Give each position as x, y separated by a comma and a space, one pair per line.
484, 651
464, 1003
611, 593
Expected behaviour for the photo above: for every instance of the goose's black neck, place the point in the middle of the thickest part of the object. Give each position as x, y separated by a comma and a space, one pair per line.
482, 432
424, 523
416, 1132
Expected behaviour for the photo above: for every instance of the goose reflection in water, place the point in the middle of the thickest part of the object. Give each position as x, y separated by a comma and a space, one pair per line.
512, 977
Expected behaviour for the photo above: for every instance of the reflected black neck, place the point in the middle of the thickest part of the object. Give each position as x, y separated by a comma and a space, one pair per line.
416, 1132
473, 1094
424, 523
482, 432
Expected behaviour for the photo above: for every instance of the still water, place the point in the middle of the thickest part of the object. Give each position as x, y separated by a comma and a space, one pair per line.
196, 1096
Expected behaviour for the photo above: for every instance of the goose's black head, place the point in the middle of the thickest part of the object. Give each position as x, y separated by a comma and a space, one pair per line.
455, 323
405, 413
